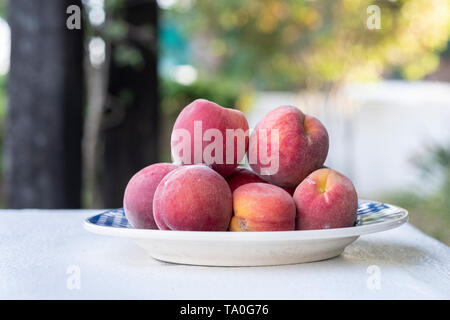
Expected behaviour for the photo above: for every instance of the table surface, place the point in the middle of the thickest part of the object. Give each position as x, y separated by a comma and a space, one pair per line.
47, 254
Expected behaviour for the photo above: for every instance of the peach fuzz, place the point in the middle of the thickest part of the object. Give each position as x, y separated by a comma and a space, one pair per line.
302, 145
138, 196
241, 176
194, 198
325, 199
194, 136
262, 207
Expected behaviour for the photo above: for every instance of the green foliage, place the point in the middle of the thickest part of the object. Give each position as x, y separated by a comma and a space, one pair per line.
3, 8
115, 30
2, 97
127, 55
290, 44
430, 217
114, 4
430, 211
176, 96
124, 37
2, 118
436, 164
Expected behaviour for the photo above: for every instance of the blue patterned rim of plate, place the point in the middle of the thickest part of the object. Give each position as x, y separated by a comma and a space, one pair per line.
369, 212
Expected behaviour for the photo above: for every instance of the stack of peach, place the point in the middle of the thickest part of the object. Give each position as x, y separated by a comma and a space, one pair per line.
288, 187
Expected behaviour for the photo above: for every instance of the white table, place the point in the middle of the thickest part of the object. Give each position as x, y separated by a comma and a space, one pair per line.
47, 254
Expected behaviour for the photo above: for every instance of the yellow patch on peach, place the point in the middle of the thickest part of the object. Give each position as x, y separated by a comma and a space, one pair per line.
262, 207
322, 180
243, 206
238, 224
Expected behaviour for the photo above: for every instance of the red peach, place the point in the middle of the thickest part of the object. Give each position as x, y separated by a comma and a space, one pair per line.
262, 207
241, 176
205, 132
325, 199
302, 146
194, 198
138, 196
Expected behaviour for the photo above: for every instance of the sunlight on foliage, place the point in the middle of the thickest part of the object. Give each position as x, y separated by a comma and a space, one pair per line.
291, 44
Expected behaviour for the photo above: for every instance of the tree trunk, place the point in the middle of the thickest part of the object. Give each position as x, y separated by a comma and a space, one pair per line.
129, 132
44, 119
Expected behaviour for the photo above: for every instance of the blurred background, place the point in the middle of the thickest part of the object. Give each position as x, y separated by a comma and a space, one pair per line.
89, 90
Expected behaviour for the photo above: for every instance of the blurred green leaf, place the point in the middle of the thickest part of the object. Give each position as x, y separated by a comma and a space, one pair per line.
126, 55
115, 30
3, 8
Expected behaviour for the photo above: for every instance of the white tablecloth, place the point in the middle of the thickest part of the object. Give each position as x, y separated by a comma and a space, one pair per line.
47, 254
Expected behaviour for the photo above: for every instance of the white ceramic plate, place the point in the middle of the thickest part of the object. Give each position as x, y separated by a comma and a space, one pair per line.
249, 248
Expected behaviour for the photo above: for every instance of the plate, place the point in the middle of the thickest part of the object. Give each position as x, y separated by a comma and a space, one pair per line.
249, 248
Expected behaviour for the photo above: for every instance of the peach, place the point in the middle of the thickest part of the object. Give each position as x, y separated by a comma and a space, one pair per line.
241, 176
262, 207
301, 148
138, 196
194, 198
325, 199
207, 133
